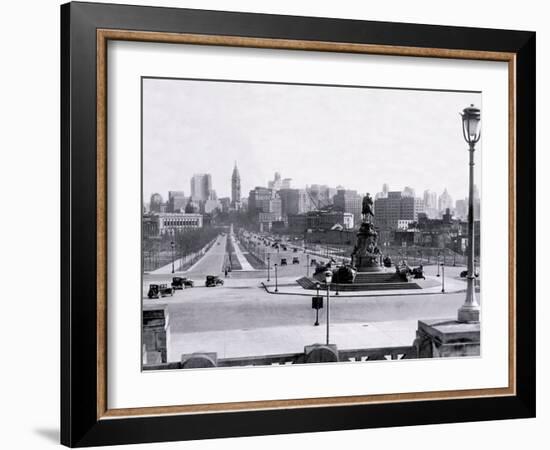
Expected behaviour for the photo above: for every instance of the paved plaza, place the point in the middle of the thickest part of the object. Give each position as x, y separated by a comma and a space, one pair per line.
245, 317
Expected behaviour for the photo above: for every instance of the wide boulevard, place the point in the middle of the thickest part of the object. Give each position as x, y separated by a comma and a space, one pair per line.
243, 318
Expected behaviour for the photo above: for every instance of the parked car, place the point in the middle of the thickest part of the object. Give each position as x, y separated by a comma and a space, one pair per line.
188, 282
159, 290
177, 283
464, 274
182, 282
418, 272
213, 281
295, 260
283, 262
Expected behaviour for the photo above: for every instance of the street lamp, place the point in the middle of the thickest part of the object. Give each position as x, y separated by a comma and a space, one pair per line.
276, 282
471, 118
328, 279
268, 266
173, 245
442, 277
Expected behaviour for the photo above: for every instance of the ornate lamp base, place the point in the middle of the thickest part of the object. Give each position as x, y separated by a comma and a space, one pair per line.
468, 314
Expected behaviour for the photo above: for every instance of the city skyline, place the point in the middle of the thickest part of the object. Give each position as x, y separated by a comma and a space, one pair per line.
419, 193
398, 137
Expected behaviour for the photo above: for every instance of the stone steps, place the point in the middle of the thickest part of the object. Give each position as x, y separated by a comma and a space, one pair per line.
374, 286
377, 277
308, 283
369, 277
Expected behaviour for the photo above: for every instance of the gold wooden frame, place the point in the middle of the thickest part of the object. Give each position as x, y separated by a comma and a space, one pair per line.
104, 35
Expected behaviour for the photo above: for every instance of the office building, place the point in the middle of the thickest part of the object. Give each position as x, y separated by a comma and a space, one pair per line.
201, 186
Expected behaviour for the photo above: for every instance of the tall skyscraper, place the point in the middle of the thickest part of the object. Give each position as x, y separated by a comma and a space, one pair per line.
201, 186
293, 201
384, 192
349, 201
445, 201
461, 209
430, 204
408, 192
235, 187
430, 199
264, 207
276, 183
286, 183
396, 208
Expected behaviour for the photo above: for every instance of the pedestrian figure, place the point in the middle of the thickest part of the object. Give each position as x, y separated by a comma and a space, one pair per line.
225, 272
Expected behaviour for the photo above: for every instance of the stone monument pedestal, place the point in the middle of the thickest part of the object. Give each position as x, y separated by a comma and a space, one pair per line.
447, 338
366, 256
366, 264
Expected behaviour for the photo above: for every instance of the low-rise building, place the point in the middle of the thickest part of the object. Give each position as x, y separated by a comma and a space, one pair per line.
168, 223
319, 220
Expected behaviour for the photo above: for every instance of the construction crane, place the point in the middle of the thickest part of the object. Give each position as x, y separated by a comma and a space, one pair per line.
317, 204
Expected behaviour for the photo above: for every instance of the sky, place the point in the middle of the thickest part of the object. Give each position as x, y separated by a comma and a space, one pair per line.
356, 137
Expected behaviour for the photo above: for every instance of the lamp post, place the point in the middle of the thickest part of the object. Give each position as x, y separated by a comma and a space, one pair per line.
455, 246
173, 245
268, 266
276, 282
442, 277
328, 279
471, 118
438, 255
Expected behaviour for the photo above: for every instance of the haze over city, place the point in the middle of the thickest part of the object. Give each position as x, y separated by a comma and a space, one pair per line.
358, 138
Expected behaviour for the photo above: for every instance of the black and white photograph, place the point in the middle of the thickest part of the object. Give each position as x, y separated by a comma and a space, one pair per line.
292, 224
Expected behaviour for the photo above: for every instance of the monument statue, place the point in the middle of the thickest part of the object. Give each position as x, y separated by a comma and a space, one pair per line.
366, 256
367, 210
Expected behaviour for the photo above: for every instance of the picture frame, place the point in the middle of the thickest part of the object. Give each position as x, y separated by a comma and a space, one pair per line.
86, 418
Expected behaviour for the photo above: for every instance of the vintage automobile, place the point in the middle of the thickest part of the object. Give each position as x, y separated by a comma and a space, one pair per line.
177, 283
188, 282
387, 261
213, 281
182, 282
159, 290
464, 274
295, 260
283, 262
418, 272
